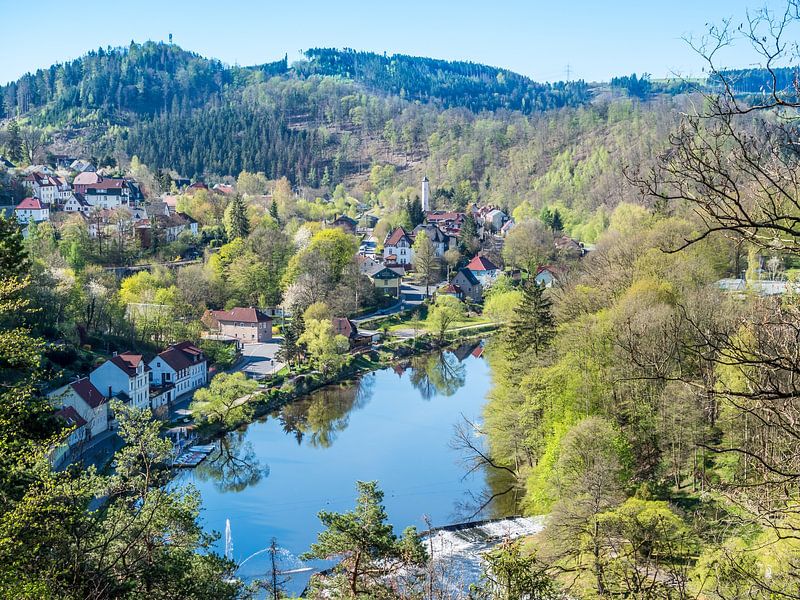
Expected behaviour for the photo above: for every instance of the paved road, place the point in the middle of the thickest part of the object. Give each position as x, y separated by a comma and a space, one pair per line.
259, 360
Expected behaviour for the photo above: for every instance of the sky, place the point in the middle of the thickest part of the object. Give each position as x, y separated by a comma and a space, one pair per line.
591, 40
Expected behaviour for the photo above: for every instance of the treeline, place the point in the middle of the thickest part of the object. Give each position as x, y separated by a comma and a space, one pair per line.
445, 83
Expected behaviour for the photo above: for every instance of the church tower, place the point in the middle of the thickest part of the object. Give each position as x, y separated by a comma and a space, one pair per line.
426, 195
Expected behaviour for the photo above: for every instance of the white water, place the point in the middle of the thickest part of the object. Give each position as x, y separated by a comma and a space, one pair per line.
228, 540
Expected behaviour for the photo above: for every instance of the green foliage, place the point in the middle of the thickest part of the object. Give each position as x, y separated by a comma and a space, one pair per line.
511, 573
533, 325
220, 354
445, 311
365, 546
236, 224
226, 401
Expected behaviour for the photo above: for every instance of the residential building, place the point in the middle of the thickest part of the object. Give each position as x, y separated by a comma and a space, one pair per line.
124, 376
84, 397
440, 240
346, 327
397, 248
84, 179
107, 193
484, 270
44, 187
75, 202
494, 220
547, 275
79, 434
346, 223
32, 210
470, 286
451, 289
385, 279
248, 325
82, 166
182, 365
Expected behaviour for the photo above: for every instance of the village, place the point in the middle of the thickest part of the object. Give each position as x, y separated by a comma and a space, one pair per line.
114, 207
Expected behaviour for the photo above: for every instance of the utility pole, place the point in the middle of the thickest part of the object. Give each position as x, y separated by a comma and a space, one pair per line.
568, 71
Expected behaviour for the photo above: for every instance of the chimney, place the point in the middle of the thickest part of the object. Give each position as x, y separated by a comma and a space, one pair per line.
109, 392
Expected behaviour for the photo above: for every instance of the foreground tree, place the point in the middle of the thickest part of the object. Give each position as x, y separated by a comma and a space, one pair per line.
511, 573
366, 547
533, 326
442, 314
426, 263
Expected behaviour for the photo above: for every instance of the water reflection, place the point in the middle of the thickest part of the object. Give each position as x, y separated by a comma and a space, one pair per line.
321, 416
233, 465
440, 373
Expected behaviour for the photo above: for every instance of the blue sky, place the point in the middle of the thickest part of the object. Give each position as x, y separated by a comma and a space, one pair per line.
596, 39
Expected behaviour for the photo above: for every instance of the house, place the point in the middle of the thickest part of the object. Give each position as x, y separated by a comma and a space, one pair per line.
71, 419
547, 275
366, 263
494, 220
84, 397
196, 187
451, 289
76, 203
124, 376
448, 221
484, 270
4, 162
63, 161
32, 210
82, 166
507, 226
346, 327
248, 325
385, 279
224, 189
397, 248
189, 223
346, 223
469, 284
440, 240
44, 187
84, 179
107, 193
182, 365
565, 245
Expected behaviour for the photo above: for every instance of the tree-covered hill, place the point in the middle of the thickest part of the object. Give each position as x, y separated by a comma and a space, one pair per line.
446, 83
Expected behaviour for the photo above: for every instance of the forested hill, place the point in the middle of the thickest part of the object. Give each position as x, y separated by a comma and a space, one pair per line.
142, 78
447, 83
155, 77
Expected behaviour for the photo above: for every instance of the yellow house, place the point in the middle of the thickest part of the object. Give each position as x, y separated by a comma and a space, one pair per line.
385, 280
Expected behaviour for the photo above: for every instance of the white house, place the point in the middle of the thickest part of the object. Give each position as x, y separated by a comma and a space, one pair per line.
182, 365
75, 202
547, 275
484, 270
71, 418
440, 240
32, 210
124, 375
397, 248
44, 187
107, 192
87, 401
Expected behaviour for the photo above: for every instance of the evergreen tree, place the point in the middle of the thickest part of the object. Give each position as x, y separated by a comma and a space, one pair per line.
533, 326
13, 257
14, 142
469, 242
556, 224
415, 212
236, 223
273, 211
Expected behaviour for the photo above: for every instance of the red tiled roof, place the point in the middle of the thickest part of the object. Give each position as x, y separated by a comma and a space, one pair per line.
71, 416
481, 263
244, 315
107, 184
343, 326
181, 356
128, 362
398, 234
90, 394
30, 204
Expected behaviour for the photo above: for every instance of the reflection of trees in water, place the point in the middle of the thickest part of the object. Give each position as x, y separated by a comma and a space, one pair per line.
437, 373
320, 416
501, 494
233, 465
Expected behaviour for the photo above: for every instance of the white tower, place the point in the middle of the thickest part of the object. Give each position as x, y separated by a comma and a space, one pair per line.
426, 195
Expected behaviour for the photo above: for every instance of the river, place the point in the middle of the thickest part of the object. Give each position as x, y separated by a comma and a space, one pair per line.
395, 425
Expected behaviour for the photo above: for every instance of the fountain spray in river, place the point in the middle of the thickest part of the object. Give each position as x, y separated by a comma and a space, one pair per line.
228, 540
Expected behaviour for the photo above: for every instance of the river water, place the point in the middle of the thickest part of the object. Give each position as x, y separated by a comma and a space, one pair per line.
395, 426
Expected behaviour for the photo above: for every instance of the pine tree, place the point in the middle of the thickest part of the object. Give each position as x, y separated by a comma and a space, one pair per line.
14, 142
469, 236
533, 326
415, 213
13, 256
273, 211
557, 225
291, 349
236, 223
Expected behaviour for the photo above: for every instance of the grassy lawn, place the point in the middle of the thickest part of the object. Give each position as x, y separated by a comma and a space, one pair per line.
410, 323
